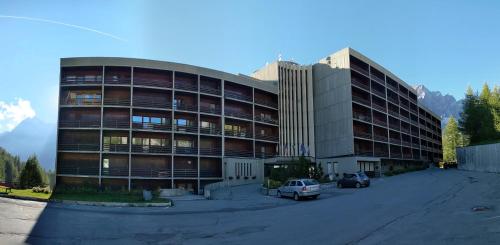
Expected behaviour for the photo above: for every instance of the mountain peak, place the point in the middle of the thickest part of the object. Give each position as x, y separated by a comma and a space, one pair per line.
443, 105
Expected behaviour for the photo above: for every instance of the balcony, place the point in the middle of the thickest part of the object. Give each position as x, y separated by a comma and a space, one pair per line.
77, 170
78, 147
236, 95
82, 101
381, 154
379, 121
238, 114
210, 90
213, 151
186, 107
151, 102
358, 65
395, 141
265, 154
151, 149
152, 126
380, 137
117, 101
361, 134
266, 119
187, 173
81, 80
240, 134
361, 100
266, 102
117, 80
211, 131
160, 83
238, 153
151, 172
267, 137
186, 87
379, 93
186, 150
210, 109
359, 83
362, 116
406, 143
115, 148
79, 123
392, 84
108, 123
185, 128
115, 171
210, 174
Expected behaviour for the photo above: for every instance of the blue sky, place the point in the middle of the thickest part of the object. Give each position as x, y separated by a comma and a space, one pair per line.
445, 45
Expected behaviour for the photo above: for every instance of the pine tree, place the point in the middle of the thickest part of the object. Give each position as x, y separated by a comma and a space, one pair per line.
451, 139
31, 175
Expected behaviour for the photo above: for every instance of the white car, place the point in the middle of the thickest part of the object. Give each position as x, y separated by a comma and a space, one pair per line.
299, 188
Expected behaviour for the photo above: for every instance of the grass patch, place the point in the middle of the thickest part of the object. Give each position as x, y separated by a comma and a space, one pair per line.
126, 197
27, 193
402, 171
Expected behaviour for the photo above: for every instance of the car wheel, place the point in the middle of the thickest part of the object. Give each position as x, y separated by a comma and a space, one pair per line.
279, 194
296, 196
339, 185
358, 185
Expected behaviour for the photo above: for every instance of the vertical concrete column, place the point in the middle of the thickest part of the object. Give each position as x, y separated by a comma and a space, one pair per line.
310, 111
198, 130
223, 133
100, 129
130, 128
253, 122
172, 133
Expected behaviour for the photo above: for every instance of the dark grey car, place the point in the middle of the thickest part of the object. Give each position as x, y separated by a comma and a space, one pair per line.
357, 180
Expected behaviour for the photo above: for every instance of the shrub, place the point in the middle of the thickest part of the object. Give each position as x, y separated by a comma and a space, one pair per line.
38, 189
31, 175
273, 184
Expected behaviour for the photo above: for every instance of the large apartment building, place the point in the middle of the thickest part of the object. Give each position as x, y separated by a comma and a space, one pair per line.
132, 123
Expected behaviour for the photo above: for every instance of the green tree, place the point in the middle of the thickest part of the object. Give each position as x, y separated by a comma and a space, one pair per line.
10, 172
31, 175
451, 139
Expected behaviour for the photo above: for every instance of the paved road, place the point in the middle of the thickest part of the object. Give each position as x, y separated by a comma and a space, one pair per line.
426, 207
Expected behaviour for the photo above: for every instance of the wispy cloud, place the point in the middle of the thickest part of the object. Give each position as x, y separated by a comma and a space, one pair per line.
64, 24
12, 114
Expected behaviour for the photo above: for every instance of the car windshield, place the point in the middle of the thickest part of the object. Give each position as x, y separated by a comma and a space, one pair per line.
363, 175
310, 182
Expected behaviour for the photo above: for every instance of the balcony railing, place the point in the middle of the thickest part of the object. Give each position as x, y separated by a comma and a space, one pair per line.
362, 117
393, 100
190, 173
406, 130
115, 171
212, 110
394, 126
395, 155
381, 122
415, 122
379, 93
406, 143
115, 124
364, 153
381, 153
81, 101
236, 95
79, 124
139, 81
213, 151
152, 126
151, 149
266, 119
115, 148
184, 107
161, 103
266, 102
238, 153
183, 128
81, 80
117, 80
394, 113
359, 69
395, 141
380, 137
78, 147
210, 174
77, 170
415, 145
185, 150
151, 172
212, 131
186, 86
378, 79
235, 133
210, 90
267, 137
238, 114
117, 101
362, 134
360, 84
265, 154
379, 107
393, 87
361, 100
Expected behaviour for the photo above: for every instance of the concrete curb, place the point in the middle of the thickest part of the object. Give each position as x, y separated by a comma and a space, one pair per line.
24, 198
113, 204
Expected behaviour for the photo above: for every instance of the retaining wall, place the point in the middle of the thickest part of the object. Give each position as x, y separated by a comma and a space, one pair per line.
483, 158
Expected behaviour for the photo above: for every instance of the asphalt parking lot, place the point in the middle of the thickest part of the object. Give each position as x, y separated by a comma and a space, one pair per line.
427, 207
